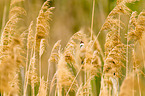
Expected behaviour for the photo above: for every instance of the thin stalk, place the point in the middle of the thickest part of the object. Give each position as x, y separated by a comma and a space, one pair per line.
119, 27
127, 59
82, 86
48, 71
27, 59
4, 18
40, 67
133, 73
15, 62
137, 69
138, 84
92, 22
89, 85
85, 75
115, 86
51, 84
59, 88
142, 51
73, 81
133, 81
26, 77
33, 92
25, 82
55, 92
102, 85
109, 90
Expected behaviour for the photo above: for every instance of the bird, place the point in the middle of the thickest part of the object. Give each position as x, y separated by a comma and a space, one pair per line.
81, 44
82, 51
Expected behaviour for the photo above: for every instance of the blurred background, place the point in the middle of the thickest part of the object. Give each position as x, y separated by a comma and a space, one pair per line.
68, 17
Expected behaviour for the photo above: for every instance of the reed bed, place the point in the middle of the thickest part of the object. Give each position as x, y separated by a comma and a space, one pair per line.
83, 67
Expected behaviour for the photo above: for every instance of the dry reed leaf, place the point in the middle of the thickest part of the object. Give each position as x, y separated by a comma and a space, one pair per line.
130, 86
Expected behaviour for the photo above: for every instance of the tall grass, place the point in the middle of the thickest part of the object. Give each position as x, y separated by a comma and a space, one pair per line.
82, 67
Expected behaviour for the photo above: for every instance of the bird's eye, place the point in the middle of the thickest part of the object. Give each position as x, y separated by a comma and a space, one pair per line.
113, 62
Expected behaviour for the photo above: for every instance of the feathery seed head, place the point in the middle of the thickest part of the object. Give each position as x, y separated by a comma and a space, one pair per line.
65, 76
136, 26
42, 46
55, 53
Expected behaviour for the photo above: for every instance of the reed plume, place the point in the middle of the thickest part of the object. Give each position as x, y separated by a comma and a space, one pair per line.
114, 49
42, 25
52, 66
11, 48
88, 65
65, 76
137, 26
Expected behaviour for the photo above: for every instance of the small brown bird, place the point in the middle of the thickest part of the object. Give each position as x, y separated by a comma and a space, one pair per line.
82, 51
81, 44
